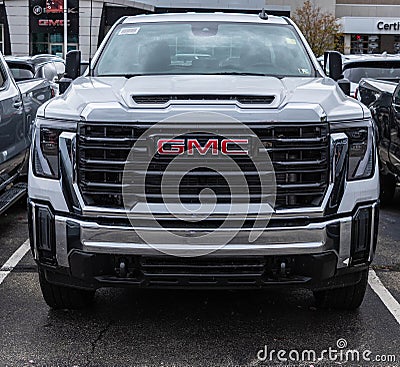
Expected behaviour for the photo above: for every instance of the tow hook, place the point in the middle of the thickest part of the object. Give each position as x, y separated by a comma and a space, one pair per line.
122, 269
283, 268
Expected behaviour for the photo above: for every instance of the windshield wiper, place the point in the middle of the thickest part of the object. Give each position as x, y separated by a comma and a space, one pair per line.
217, 73
245, 74
120, 75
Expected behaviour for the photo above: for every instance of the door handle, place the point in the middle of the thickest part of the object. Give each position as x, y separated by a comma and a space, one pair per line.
17, 104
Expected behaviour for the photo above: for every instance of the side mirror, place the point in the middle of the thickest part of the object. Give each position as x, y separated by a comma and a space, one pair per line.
334, 69
72, 70
72, 64
333, 65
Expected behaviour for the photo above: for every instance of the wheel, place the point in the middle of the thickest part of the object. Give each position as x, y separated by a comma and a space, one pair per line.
388, 188
344, 298
61, 297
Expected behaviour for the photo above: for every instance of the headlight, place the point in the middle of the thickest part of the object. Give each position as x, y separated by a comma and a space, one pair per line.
45, 151
361, 157
46, 158
361, 150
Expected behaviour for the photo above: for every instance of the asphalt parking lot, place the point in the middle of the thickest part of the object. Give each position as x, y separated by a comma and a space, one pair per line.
190, 328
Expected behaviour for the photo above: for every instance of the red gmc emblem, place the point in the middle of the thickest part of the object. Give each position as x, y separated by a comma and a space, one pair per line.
225, 146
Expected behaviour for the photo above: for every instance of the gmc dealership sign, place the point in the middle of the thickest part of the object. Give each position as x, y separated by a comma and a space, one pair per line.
45, 16
52, 23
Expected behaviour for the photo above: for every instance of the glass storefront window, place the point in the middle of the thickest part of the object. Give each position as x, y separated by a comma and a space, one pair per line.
56, 38
40, 48
51, 43
365, 44
40, 43
40, 37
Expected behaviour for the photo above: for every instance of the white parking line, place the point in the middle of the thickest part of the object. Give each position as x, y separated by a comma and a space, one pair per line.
15, 258
388, 300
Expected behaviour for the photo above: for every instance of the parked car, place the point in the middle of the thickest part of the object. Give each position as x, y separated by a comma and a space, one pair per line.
377, 66
45, 66
19, 101
383, 99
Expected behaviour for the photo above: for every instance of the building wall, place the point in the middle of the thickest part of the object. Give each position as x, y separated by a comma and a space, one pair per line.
209, 4
18, 22
368, 2
18, 12
360, 19
84, 26
325, 5
367, 10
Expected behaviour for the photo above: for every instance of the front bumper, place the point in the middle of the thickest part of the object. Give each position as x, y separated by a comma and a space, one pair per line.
313, 253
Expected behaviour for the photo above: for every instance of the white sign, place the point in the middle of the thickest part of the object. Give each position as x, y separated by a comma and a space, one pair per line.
370, 25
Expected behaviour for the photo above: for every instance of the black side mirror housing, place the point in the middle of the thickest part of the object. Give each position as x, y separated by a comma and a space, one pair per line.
72, 69
334, 69
333, 65
72, 64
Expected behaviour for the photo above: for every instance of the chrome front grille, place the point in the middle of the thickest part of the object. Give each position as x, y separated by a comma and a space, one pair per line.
299, 153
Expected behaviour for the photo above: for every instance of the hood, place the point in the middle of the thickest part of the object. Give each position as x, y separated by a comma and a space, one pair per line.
293, 99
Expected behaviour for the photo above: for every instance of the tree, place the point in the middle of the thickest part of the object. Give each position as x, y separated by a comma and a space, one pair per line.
320, 28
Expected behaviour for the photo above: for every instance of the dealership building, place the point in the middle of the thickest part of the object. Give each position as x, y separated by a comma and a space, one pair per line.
36, 26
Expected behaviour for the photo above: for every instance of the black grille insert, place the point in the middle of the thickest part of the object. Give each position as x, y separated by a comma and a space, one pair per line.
163, 99
299, 153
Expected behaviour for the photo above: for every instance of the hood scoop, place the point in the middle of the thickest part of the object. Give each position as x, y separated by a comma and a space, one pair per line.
164, 100
161, 91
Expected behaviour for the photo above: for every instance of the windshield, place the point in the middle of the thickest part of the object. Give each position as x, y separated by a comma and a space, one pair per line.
204, 48
383, 72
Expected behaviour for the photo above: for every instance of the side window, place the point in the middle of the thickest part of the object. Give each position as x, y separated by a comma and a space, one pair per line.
21, 73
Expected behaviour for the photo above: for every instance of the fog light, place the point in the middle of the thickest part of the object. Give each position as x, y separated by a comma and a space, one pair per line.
45, 239
361, 236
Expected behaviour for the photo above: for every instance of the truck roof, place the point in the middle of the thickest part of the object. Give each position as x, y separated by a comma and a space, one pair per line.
205, 17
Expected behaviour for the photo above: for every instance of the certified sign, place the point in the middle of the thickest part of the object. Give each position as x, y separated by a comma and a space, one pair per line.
392, 26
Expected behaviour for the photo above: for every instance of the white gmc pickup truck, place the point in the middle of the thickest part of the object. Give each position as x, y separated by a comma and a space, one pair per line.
204, 151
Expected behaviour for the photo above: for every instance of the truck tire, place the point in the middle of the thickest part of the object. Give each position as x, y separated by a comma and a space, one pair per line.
344, 298
61, 297
388, 188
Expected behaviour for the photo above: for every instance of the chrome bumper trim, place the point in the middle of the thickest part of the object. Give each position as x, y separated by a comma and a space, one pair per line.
310, 239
